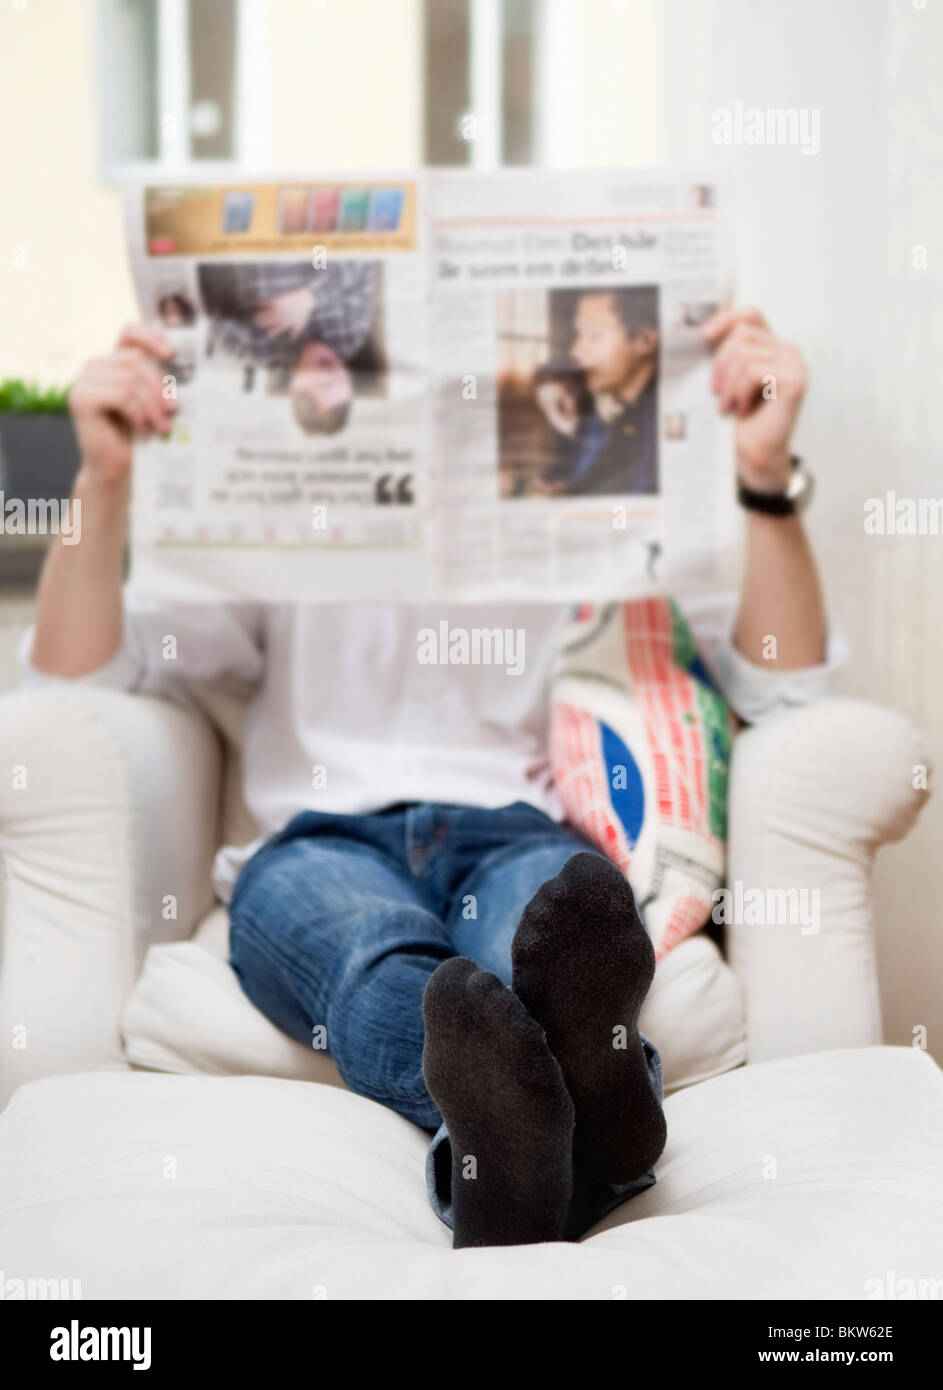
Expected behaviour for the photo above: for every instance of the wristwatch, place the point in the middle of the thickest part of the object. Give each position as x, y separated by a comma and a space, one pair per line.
795, 499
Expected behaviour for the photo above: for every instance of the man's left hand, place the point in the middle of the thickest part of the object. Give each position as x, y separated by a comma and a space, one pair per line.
761, 380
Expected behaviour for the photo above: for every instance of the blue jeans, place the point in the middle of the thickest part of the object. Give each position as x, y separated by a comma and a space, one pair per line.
337, 922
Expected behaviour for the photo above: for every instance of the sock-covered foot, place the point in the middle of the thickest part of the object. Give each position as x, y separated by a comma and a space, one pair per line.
583, 964
502, 1096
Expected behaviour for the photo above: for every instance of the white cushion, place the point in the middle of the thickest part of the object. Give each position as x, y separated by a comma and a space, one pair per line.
146, 1186
188, 1014
694, 1014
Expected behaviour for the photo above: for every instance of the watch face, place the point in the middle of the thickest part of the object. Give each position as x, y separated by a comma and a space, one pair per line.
800, 486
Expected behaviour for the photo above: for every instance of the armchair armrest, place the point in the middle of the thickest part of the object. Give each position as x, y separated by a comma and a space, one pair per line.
813, 795
109, 807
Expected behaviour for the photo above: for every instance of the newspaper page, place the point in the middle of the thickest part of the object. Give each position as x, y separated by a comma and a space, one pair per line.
440, 384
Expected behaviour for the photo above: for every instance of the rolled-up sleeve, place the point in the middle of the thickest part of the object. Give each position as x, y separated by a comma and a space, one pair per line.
167, 649
122, 672
755, 693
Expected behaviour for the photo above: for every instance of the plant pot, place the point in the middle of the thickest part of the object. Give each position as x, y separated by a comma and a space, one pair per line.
39, 458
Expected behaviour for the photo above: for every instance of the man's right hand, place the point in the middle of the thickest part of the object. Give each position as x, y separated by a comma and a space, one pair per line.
118, 397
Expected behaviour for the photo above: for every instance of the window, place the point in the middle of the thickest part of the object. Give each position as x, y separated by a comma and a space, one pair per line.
182, 83
188, 82
481, 86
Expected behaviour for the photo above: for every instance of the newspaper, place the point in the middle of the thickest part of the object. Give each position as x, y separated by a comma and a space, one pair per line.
443, 384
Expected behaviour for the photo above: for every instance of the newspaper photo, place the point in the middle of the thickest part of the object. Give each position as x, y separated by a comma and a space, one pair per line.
445, 384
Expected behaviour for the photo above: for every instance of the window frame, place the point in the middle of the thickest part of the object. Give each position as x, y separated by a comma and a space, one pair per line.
467, 57
252, 124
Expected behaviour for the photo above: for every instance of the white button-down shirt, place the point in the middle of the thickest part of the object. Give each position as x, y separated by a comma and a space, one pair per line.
356, 707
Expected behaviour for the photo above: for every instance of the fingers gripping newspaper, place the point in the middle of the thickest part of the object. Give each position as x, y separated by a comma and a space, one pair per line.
441, 385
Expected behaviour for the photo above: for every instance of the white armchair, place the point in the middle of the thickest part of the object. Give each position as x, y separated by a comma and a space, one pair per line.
109, 814
112, 806
246, 1186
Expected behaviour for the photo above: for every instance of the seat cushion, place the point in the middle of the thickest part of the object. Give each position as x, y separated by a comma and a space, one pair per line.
807, 1177
188, 1014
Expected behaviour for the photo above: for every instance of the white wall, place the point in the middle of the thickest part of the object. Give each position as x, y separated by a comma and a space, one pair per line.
827, 247
74, 291
346, 83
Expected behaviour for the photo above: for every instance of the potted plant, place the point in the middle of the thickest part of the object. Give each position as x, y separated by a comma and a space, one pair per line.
39, 459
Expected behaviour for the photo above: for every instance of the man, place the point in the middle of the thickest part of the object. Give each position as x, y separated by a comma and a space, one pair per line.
354, 915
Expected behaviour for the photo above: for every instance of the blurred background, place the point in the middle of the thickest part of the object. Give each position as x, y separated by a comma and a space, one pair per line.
841, 245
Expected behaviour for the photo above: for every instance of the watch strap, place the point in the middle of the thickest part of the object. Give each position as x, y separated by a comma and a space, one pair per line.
787, 503
769, 503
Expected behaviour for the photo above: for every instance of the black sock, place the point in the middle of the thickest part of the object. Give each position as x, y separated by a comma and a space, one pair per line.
502, 1096
583, 964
